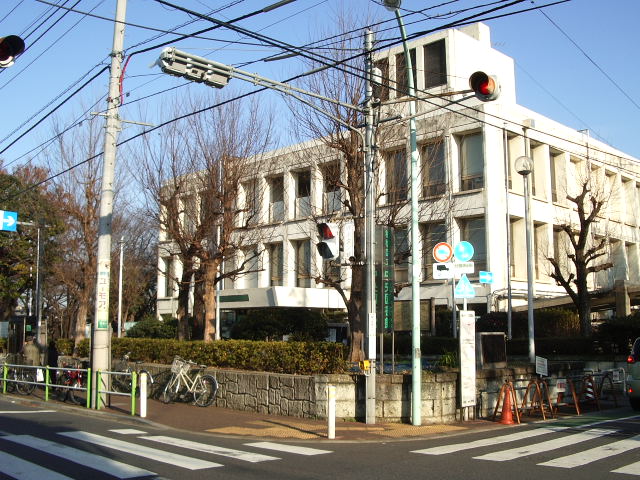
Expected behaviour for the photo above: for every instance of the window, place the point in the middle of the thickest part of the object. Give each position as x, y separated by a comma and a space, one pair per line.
401, 254
396, 166
251, 201
276, 200
169, 276
540, 244
555, 159
471, 162
190, 213
276, 264
303, 263
432, 234
331, 187
433, 169
251, 267
381, 92
473, 231
435, 64
303, 194
402, 89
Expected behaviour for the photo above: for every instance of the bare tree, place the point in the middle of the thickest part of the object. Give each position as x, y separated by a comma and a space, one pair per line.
582, 248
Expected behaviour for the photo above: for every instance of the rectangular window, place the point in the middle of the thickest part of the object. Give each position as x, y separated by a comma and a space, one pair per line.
251, 202
251, 268
303, 263
471, 162
276, 264
190, 213
401, 254
554, 163
432, 234
303, 194
169, 276
433, 169
381, 87
473, 231
331, 187
276, 200
396, 176
402, 89
435, 64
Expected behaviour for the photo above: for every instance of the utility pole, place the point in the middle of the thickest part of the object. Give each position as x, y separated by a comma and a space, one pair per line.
370, 236
101, 344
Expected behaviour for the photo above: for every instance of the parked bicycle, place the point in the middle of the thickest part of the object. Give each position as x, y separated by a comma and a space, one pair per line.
72, 385
184, 384
21, 380
121, 382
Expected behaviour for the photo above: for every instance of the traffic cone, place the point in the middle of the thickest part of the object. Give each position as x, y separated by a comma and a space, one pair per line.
506, 418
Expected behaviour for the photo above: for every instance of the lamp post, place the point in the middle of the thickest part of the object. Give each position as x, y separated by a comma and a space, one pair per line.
416, 360
524, 166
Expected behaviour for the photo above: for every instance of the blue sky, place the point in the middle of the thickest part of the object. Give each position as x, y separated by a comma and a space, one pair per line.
554, 75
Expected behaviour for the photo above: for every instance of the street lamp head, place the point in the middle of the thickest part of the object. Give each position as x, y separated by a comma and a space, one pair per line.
392, 4
523, 165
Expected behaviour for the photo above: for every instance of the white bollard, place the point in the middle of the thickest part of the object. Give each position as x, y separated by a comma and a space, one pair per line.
331, 412
143, 395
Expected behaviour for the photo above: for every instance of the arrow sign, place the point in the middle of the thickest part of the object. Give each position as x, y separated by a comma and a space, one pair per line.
8, 221
464, 289
485, 277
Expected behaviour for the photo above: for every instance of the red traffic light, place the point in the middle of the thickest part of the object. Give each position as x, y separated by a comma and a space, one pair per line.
10, 47
486, 87
325, 231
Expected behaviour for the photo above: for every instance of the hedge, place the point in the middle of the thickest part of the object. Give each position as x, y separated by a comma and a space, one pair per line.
303, 358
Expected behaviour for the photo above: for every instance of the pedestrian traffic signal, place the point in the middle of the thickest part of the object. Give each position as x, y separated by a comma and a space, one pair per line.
486, 87
329, 244
10, 48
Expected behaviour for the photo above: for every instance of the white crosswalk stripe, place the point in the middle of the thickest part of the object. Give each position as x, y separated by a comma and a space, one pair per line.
22, 469
97, 462
171, 458
564, 440
545, 446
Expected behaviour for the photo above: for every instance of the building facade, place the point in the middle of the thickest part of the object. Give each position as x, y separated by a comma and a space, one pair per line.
469, 190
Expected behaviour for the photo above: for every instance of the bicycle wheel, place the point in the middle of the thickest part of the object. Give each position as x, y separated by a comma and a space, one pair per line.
205, 391
121, 383
170, 389
11, 380
27, 382
78, 397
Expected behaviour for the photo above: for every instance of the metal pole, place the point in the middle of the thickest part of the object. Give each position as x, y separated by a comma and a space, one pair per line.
416, 354
120, 288
41, 334
527, 214
508, 222
370, 228
101, 344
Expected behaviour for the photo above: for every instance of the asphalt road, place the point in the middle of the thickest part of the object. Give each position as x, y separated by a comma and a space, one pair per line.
43, 444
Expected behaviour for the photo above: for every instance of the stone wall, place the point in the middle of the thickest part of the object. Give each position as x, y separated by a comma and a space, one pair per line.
306, 396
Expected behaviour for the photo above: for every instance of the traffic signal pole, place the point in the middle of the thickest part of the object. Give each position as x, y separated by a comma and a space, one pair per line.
101, 335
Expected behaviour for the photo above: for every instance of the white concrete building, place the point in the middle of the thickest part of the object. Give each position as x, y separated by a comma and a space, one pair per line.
470, 190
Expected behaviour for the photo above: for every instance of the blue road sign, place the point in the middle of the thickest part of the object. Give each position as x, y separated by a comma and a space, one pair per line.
485, 277
8, 221
463, 251
464, 289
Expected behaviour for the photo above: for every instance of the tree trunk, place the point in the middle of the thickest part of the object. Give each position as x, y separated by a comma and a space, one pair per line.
183, 304
356, 321
210, 300
81, 320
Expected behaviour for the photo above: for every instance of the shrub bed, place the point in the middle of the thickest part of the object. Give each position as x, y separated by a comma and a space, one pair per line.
302, 358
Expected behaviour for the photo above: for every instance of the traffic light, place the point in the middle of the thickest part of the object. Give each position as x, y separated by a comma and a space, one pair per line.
486, 87
10, 48
194, 68
329, 244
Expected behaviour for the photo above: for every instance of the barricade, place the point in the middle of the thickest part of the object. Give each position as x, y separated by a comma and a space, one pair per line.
536, 398
562, 396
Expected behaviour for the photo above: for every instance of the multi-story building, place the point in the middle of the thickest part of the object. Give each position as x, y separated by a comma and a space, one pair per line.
469, 190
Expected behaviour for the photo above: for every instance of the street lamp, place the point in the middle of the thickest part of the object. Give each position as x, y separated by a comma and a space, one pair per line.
524, 166
416, 361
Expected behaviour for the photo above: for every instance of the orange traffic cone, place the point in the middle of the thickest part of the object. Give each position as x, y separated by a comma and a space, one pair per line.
506, 418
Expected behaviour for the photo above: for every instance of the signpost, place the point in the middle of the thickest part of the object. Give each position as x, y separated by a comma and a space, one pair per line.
8, 221
467, 358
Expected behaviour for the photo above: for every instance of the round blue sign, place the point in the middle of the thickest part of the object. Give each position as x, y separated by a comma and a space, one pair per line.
463, 251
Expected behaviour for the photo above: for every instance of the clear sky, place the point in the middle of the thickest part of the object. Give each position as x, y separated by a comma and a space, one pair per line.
576, 63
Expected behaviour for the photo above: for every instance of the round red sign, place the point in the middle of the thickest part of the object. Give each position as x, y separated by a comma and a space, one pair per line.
442, 252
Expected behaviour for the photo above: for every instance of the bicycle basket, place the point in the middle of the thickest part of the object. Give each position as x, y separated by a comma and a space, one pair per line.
179, 365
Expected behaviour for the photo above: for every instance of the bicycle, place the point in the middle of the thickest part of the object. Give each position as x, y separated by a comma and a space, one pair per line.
21, 380
121, 382
203, 388
71, 384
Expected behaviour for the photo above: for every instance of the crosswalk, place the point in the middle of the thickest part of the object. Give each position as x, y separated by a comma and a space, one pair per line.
561, 441
74, 446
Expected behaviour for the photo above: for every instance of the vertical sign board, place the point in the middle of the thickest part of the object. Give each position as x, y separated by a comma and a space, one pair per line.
467, 358
102, 310
541, 366
387, 279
